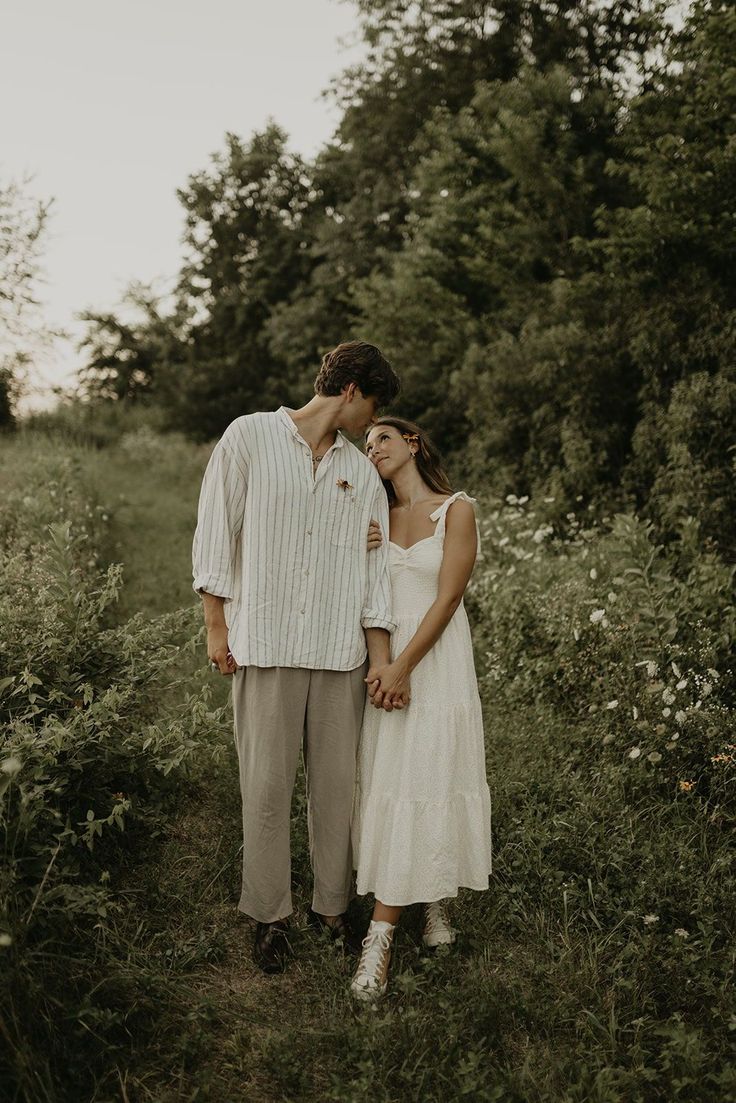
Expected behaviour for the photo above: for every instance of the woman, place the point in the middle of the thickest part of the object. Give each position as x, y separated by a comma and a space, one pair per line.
422, 810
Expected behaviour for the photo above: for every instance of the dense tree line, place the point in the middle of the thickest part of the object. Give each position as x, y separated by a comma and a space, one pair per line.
530, 206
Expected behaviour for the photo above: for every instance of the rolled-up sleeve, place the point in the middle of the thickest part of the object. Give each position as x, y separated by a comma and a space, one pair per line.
377, 611
220, 520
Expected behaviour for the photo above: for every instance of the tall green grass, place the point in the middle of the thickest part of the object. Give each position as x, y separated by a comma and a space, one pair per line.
599, 965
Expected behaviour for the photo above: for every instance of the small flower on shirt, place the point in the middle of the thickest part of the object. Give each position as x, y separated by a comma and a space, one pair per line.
344, 485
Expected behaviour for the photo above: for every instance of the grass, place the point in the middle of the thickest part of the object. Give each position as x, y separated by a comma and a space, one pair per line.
560, 989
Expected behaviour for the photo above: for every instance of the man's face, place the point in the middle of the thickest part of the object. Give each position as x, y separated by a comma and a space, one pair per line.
359, 413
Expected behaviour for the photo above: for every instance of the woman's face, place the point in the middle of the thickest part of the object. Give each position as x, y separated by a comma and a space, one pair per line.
387, 450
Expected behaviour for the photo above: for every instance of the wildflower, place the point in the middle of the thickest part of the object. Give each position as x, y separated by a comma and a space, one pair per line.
612, 704
681, 932
654, 757
523, 500
666, 712
686, 786
680, 716
651, 666
682, 684
608, 739
512, 499
6, 939
649, 919
597, 616
634, 752
593, 573
713, 673
675, 670
612, 598
11, 765
635, 712
548, 500
676, 735
503, 541
668, 697
707, 689
511, 570
576, 634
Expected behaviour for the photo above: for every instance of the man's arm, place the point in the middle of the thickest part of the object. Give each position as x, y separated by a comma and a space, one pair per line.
219, 524
218, 650
377, 617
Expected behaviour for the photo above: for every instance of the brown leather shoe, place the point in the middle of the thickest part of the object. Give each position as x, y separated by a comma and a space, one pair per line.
341, 932
271, 947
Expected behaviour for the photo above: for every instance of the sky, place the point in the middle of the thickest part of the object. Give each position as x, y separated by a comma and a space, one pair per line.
109, 108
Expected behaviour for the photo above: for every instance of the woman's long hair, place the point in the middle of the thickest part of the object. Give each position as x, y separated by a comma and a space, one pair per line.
428, 461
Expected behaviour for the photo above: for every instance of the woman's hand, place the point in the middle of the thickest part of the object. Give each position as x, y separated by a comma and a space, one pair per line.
389, 686
374, 535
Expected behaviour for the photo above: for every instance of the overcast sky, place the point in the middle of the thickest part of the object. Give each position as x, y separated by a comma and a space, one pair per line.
110, 107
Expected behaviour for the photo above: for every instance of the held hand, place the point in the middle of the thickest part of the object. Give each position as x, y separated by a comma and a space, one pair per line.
218, 651
374, 535
389, 686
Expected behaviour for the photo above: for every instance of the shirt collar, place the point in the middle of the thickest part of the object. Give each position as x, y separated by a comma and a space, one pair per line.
287, 422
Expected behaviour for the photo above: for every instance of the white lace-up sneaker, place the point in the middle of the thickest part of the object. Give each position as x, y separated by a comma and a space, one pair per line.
437, 930
371, 976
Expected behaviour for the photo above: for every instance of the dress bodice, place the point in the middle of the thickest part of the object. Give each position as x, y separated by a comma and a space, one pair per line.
415, 570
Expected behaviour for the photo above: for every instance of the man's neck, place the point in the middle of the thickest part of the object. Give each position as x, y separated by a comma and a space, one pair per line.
317, 423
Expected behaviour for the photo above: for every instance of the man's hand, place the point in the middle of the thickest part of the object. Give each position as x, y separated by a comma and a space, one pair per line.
374, 535
389, 686
218, 650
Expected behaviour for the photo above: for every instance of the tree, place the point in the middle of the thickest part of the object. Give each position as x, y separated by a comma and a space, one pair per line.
23, 221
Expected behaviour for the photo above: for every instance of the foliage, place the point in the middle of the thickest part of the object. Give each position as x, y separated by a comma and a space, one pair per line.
631, 641
98, 721
23, 221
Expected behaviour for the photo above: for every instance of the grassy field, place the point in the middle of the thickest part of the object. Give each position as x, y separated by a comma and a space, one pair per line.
571, 982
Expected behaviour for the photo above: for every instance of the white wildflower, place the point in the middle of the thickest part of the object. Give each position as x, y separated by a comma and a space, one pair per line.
714, 674
676, 735
11, 765
503, 541
681, 932
668, 697
6, 939
654, 757
707, 689
593, 573
612, 598
608, 739
682, 684
512, 499
675, 670
524, 499
634, 752
635, 712
548, 500
666, 712
680, 716
612, 704
649, 919
576, 634
597, 616
511, 570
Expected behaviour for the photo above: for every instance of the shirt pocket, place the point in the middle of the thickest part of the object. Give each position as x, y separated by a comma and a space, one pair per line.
342, 523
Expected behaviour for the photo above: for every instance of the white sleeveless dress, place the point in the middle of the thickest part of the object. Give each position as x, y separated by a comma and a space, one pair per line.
422, 810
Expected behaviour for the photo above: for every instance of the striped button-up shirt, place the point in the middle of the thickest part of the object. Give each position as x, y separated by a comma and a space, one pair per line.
287, 548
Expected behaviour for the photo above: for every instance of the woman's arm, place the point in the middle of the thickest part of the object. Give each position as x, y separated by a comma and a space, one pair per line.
461, 543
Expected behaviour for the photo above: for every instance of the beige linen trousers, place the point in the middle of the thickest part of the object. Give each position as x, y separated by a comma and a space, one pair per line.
278, 712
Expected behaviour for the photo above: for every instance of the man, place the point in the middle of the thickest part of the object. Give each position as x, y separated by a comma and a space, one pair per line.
292, 601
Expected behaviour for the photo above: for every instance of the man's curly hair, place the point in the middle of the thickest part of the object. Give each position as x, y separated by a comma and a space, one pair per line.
360, 363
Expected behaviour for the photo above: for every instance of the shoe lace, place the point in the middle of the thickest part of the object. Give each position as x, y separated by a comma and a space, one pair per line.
376, 945
435, 918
